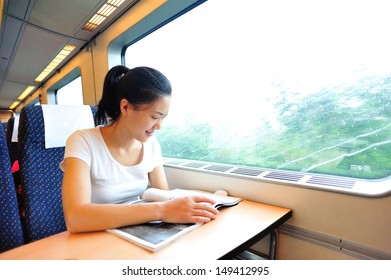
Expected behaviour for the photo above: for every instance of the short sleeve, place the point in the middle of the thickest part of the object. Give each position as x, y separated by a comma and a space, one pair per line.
77, 146
157, 157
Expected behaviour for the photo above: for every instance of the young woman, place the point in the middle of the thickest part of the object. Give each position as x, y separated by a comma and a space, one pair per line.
108, 165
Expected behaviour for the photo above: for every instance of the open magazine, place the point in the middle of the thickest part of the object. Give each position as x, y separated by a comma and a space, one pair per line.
157, 234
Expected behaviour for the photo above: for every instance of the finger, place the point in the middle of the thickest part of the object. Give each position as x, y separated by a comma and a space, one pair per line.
200, 198
205, 214
207, 207
203, 219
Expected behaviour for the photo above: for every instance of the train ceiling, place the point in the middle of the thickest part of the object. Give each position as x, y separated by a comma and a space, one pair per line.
33, 32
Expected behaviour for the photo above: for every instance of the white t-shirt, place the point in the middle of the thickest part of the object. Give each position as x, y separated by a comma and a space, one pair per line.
112, 182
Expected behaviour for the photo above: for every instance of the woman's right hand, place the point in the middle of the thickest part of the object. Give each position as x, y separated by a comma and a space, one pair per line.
192, 209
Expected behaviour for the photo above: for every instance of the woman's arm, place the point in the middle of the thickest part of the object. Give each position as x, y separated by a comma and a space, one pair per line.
157, 178
81, 215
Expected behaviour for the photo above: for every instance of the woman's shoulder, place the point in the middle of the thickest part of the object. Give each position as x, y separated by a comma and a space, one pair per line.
88, 134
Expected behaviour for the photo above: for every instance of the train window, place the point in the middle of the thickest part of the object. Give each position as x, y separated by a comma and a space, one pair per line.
289, 85
71, 93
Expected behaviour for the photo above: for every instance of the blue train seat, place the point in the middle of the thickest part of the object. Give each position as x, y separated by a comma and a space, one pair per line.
11, 234
41, 177
12, 145
4, 126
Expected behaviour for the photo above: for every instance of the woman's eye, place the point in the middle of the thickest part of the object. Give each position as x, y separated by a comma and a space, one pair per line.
153, 117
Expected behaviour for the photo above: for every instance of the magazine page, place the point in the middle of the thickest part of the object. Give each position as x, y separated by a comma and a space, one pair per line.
154, 235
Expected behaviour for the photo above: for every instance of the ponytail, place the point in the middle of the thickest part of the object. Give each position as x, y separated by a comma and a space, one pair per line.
108, 106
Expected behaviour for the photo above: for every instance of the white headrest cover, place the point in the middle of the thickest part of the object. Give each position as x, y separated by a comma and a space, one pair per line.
62, 120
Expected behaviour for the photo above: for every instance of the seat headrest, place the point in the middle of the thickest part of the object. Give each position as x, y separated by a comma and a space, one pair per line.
62, 120
14, 137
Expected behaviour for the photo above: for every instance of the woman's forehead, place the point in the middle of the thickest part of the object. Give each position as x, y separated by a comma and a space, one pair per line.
161, 105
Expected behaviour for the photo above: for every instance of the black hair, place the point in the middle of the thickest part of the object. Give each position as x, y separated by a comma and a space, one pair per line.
140, 86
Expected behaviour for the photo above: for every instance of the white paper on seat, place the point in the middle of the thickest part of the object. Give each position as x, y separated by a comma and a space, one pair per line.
62, 120
14, 137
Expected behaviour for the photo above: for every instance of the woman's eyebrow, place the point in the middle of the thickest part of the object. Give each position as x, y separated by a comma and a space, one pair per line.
160, 113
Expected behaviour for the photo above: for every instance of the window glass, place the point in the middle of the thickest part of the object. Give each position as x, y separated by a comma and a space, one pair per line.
298, 85
71, 93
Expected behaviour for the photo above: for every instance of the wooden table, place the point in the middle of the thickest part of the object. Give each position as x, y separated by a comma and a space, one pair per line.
235, 229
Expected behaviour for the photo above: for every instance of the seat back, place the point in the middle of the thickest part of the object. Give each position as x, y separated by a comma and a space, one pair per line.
41, 177
11, 234
4, 126
12, 146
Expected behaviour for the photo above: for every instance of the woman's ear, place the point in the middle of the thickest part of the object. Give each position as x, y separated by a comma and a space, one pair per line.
124, 106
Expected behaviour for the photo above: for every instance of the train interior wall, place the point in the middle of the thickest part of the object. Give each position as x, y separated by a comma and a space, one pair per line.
363, 223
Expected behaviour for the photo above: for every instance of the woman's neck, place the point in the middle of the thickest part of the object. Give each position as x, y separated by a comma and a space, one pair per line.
125, 149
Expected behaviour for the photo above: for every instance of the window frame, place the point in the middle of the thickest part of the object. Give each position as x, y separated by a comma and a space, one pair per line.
57, 90
70, 77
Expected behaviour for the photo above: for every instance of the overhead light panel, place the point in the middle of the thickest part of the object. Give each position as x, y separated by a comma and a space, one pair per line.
26, 92
55, 62
16, 103
104, 12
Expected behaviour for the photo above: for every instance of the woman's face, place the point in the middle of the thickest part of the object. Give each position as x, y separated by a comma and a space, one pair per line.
142, 123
